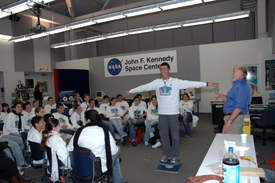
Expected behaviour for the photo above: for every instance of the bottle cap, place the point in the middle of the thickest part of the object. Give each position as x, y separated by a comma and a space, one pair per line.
230, 149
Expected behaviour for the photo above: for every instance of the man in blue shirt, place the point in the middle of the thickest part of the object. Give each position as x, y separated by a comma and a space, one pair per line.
236, 102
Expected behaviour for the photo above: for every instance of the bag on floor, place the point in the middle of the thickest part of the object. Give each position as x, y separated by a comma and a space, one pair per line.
138, 135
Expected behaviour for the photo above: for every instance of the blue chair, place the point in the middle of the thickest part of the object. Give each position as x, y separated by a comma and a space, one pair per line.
264, 121
61, 169
36, 154
83, 168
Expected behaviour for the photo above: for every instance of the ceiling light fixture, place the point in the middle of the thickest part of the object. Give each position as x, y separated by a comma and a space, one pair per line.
94, 39
109, 17
79, 24
34, 36
57, 29
196, 22
232, 16
167, 26
140, 30
178, 4
116, 34
142, 10
5, 37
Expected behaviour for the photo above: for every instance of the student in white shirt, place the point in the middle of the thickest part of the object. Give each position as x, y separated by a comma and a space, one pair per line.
6, 108
66, 127
93, 137
185, 108
28, 114
51, 138
114, 113
48, 108
77, 117
106, 123
106, 103
151, 121
35, 135
39, 111
13, 121
2, 114
85, 104
77, 98
125, 108
35, 104
137, 112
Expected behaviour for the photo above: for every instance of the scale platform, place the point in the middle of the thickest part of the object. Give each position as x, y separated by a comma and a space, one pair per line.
169, 167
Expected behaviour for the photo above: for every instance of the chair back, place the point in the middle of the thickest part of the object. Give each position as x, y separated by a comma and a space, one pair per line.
49, 155
82, 165
268, 117
35, 150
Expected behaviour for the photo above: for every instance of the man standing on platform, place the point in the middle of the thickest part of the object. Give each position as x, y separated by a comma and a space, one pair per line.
167, 91
236, 101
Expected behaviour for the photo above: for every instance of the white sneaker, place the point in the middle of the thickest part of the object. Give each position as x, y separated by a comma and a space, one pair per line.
146, 143
152, 134
157, 145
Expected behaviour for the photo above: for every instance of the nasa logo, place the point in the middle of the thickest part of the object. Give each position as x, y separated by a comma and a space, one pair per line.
114, 66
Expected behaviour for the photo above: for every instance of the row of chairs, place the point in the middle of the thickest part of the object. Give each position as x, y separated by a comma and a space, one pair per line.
82, 165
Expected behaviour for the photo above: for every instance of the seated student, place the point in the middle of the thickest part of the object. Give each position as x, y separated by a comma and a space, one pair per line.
136, 116
28, 114
9, 171
77, 118
114, 114
2, 114
35, 104
85, 104
48, 108
51, 138
140, 100
39, 111
64, 121
185, 108
106, 103
46, 117
15, 150
151, 121
106, 123
77, 98
92, 137
35, 135
6, 108
124, 107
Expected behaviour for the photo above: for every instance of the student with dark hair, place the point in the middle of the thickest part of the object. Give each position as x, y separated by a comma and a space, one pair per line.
46, 117
85, 104
35, 135
38, 93
104, 105
9, 172
35, 104
13, 121
77, 98
64, 121
39, 111
114, 113
125, 108
51, 138
48, 108
137, 112
96, 137
2, 114
77, 117
6, 108
28, 114
185, 108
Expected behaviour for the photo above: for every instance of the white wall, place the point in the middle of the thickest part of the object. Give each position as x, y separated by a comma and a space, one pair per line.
74, 64
217, 62
6, 56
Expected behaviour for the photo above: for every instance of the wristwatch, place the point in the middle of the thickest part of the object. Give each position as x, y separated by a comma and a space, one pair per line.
230, 122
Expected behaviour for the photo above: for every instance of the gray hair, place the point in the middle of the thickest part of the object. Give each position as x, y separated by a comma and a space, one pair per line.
243, 69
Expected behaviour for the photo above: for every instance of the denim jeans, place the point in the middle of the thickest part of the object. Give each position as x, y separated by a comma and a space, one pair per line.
117, 122
117, 174
109, 125
15, 150
148, 129
185, 120
132, 127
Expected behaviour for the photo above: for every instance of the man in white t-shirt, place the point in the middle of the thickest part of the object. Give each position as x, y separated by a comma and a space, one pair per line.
103, 107
167, 91
85, 104
125, 108
28, 114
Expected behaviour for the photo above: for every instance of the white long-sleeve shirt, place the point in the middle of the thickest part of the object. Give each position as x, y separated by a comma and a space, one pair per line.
76, 118
103, 108
123, 105
167, 92
48, 108
2, 117
112, 110
188, 106
27, 119
11, 124
97, 109
93, 138
84, 106
64, 120
152, 113
135, 111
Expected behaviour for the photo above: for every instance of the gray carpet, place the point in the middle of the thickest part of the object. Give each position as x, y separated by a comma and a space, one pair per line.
139, 163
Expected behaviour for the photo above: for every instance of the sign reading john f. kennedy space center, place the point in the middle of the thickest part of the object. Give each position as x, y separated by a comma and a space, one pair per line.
140, 64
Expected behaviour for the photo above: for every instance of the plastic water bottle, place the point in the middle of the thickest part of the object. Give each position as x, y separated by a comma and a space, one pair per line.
230, 167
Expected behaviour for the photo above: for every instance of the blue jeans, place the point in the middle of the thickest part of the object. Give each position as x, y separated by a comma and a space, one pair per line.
132, 127
185, 120
109, 126
16, 146
117, 122
148, 129
117, 174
